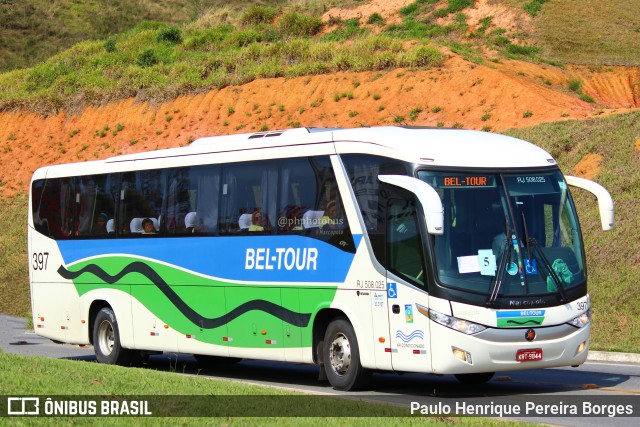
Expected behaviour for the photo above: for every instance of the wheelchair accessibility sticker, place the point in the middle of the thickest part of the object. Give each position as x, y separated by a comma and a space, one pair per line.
392, 290
530, 266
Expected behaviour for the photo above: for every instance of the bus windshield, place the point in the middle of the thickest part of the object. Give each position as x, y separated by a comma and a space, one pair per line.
507, 235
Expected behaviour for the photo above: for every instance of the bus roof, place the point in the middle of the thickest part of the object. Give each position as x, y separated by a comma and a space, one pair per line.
430, 146
449, 147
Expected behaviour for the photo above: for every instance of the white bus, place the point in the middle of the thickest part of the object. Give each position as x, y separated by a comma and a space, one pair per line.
374, 249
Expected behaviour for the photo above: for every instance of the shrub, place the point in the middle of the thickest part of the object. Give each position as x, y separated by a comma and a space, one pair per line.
296, 24
458, 5
533, 7
423, 56
110, 45
376, 19
516, 49
587, 98
410, 9
575, 86
170, 34
147, 58
413, 114
256, 15
243, 38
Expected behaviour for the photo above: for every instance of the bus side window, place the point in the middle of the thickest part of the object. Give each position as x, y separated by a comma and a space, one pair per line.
178, 200
297, 188
96, 205
248, 198
53, 207
141, 198
405, 248
332, 225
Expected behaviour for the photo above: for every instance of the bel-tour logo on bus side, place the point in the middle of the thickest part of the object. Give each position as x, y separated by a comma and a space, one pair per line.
281, 259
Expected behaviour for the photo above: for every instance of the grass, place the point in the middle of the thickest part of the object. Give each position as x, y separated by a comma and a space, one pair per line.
34, 30
589, 32
215, 57
14, 275
28, 375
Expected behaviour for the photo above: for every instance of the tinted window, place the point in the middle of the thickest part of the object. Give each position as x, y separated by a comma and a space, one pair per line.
192, 200
287, 196
140, 201
53, 207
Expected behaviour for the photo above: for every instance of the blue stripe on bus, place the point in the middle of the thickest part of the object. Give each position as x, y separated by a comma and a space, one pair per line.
247, 258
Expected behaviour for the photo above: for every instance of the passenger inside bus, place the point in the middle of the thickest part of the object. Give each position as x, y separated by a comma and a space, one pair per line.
100, 228
257, 220
148, 227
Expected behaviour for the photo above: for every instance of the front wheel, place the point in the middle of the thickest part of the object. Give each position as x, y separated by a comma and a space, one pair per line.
341, 357
106, 340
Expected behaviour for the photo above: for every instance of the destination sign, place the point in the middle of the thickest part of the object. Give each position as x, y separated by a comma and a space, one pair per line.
467, 181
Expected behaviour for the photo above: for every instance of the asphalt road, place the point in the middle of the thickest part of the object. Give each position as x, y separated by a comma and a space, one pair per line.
602, 381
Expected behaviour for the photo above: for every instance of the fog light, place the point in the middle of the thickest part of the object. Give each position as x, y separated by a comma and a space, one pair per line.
581, 347
461, 355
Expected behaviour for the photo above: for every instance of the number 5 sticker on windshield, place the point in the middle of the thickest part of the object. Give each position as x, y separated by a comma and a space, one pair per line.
487, 261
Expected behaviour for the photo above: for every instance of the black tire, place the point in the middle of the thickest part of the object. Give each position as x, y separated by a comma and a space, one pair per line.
207, 361
341, 357
479, 378
106, 340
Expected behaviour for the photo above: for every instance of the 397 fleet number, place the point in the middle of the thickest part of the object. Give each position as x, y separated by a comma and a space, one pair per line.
40, 260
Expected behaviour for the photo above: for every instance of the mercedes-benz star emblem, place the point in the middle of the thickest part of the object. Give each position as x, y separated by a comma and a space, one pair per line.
530, 335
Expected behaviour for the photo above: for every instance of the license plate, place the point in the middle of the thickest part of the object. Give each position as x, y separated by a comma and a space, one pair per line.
529, 355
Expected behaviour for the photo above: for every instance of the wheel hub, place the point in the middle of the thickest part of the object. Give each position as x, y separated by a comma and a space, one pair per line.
340, 354
106, 338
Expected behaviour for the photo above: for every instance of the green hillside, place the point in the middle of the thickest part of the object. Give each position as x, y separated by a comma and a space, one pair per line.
31, 31
196, 46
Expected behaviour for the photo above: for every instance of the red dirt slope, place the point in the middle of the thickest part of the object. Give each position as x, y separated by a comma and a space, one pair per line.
494, 96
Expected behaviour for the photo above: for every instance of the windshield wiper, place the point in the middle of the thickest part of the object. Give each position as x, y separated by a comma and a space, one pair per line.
497, 283
529, 240
549, 267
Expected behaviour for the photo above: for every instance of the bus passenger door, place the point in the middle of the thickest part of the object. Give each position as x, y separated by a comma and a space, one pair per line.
408, 327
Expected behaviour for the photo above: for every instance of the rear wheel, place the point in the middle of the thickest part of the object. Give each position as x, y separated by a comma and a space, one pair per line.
479, 378
341, 357
106, 340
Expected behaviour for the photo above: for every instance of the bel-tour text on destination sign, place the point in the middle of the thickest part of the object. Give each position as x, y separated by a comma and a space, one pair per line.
281, 259
492, 409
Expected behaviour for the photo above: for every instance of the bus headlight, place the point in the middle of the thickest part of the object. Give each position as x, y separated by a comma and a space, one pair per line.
582, 320
459, 325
